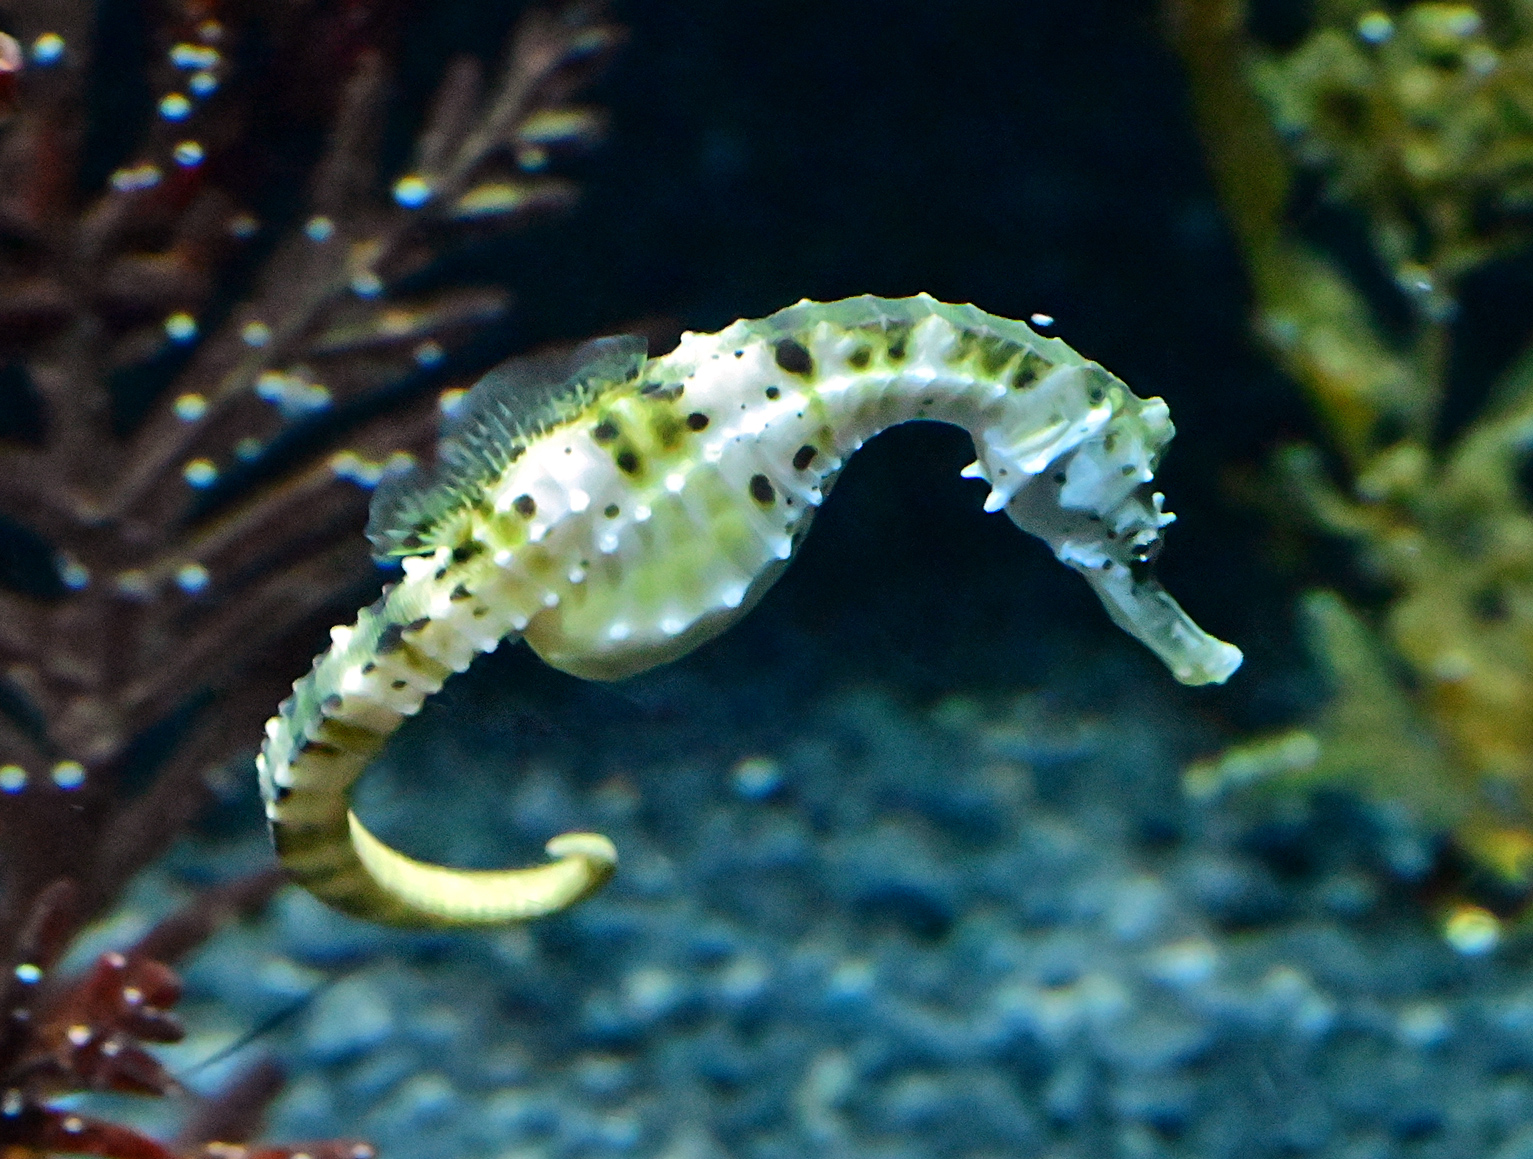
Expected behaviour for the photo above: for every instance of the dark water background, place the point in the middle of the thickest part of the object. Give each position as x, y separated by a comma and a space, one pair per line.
1026, 157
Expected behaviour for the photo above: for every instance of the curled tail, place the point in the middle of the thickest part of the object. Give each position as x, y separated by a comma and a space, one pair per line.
616, 512
375, 674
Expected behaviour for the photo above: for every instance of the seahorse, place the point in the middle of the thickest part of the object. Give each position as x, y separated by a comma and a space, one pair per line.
615, 511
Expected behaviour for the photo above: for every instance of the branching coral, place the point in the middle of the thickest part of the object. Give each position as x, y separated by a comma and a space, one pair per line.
193, 395
194, 403
87, 1034
1418, 121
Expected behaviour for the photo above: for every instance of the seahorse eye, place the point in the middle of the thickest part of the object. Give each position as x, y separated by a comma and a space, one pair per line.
1148, 553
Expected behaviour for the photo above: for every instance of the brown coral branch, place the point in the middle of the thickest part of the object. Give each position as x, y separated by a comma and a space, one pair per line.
264, 610
138, 832
90, 1033
235, 1114
351, 266
189, 560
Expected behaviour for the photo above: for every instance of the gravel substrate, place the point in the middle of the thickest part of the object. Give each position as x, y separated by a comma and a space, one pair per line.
987, 926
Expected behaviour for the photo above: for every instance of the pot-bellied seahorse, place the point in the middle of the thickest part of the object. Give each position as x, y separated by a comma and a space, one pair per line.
616, 511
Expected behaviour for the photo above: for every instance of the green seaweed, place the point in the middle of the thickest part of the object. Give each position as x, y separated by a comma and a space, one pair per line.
1416, 122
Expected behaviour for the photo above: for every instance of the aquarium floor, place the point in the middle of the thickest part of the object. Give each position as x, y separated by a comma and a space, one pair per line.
848, 925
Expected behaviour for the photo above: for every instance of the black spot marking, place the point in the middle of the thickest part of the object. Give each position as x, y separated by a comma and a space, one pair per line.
604, 431
898, 338
411, 542
1059, 477
803, 457
697, 421
1029, 370
773, 392
481, 612
627, 462
330, 704
1127, 470
525, 506
466, 551
739, 354
859, 358
1095, 393
761, 490
319, 748
417, 625
1148, 552
369, 668
441, 573
398, 684
1107, 565
610, 511
460, 593
389, 639
793, 357
284, 792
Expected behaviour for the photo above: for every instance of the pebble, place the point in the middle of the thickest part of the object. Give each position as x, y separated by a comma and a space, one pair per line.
353, 1016
653, 993
1185, 964
1424, 1025
379, 1072
757, 778
423, 1101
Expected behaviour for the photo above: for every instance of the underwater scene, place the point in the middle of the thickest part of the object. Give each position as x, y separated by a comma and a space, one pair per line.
480, 366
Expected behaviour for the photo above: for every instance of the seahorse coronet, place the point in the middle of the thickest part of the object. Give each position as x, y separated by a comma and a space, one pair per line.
616, 511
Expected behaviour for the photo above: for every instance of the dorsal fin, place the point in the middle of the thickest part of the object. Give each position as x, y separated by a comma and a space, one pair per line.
515, 402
